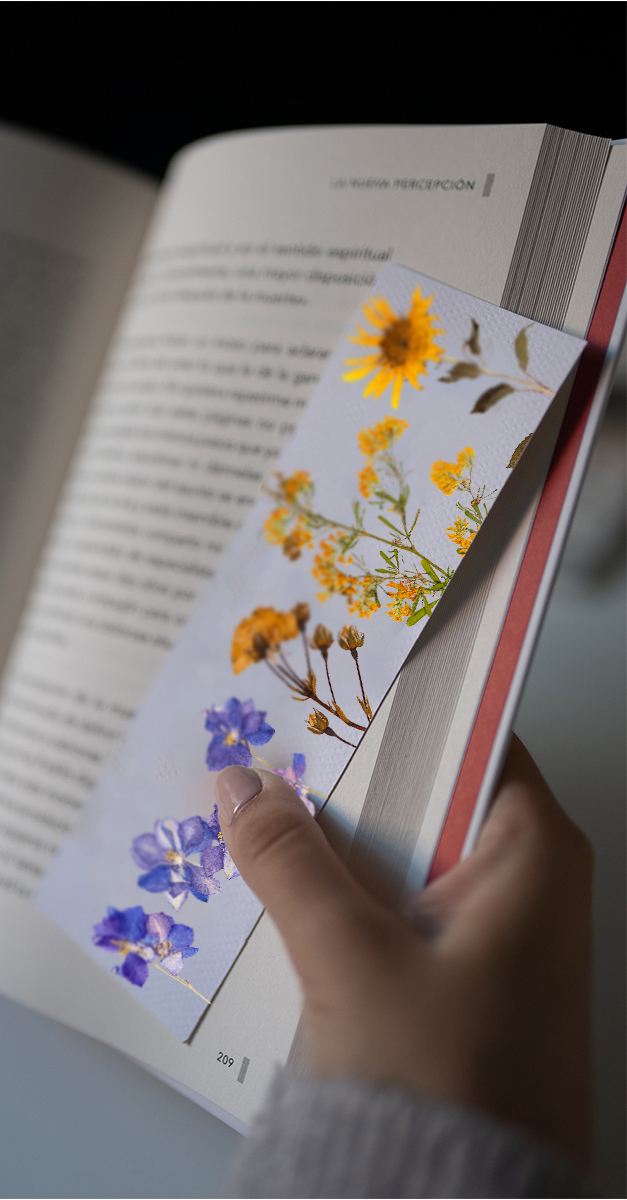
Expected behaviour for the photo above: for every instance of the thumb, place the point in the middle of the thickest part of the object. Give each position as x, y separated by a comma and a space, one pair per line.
286, 860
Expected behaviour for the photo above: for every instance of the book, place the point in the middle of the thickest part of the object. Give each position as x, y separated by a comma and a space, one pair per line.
258, 249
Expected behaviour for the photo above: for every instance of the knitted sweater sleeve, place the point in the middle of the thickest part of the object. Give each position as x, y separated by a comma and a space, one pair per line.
337, 1138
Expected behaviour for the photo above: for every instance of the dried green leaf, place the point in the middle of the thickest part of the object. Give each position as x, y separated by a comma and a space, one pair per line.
426, 566
386, 522
461, 370
473, 341
521, 447
417, 616
521, 346
492, 397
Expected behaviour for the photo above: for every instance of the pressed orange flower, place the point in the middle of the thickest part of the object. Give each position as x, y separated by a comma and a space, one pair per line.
298, 537
294, 485
263, 631
368, 480
365, 602
402, 346
275, 526
381, 436
326, 570
461, 534
448, 476
401, 595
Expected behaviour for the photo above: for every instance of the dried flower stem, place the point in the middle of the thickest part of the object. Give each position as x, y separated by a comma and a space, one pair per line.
184, 982
326, 663
361, 684
512, 378
331, 733
397, 543
271, 768
307, 658
284, 672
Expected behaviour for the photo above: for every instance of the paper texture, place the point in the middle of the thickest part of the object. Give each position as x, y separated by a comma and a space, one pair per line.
488, 379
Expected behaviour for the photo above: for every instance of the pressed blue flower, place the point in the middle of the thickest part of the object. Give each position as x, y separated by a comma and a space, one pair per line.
164, 856
216, 857
235, 728
294, 776
172, 943
142, 939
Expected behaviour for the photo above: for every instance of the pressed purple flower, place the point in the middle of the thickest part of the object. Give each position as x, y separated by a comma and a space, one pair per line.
142, 939
164, 856
172, 943
294, 776
235, 728
216, 857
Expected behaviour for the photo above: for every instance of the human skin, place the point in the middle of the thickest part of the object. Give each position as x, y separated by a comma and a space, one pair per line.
478, 992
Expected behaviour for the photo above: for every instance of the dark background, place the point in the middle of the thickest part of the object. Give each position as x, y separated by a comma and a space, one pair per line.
137, 81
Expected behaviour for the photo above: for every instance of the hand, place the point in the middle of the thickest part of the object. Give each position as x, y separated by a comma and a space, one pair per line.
478, 995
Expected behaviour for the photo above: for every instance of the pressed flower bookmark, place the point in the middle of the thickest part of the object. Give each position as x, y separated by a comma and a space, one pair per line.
428, 403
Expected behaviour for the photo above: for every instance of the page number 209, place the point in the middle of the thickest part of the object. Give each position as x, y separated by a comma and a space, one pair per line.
224, 1058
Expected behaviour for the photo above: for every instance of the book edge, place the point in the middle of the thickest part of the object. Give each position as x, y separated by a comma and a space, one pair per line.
489, 738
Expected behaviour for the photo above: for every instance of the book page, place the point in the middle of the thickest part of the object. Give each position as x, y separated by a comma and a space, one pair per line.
70, 229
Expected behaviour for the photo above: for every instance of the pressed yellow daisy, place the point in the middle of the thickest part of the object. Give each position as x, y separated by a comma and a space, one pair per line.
404, 345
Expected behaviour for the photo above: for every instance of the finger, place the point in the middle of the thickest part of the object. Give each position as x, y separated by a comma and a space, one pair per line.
282, 854
526, 834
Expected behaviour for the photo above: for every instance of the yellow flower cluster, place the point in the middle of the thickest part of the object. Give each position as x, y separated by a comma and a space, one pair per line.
293, 486
260, 633
328, 569
325, 569
298, 537
275, 527
372, 442
448, 476
402, 595
402, 346
290, 489
368, 480
365, 602
381, 436
461, 534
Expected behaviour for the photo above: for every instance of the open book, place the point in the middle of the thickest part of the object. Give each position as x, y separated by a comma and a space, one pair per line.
133, 470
